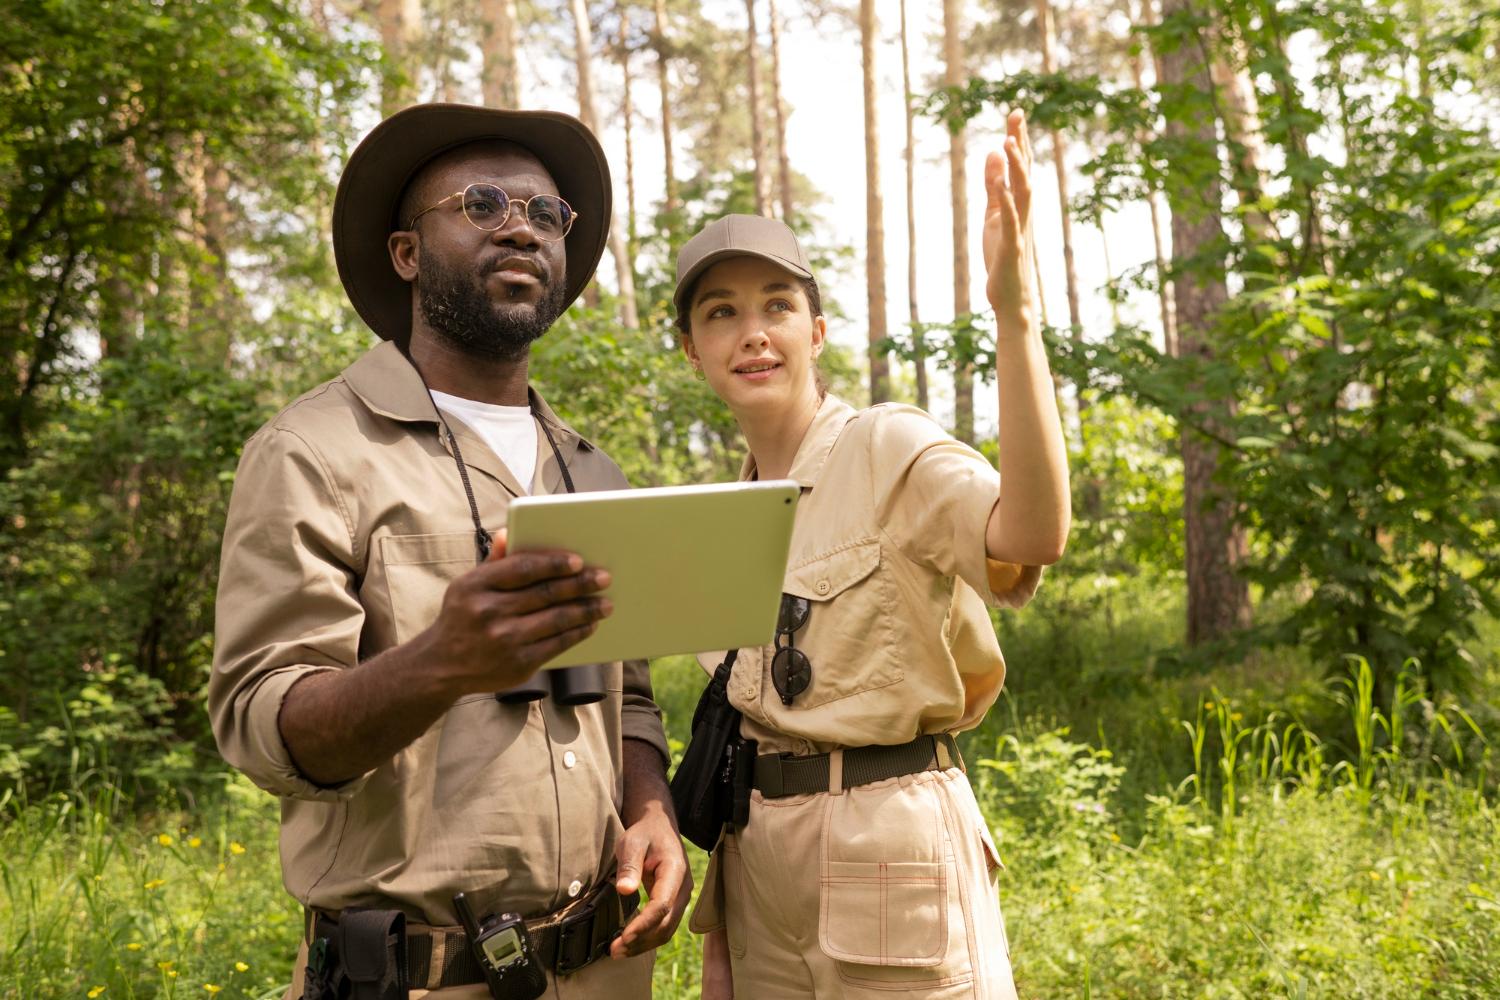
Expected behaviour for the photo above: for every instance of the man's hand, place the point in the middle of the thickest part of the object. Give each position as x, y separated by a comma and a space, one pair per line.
512, 613
649, 854
1007, 225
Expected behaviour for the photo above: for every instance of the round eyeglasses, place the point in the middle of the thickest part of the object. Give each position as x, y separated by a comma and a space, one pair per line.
488, 208
791, 671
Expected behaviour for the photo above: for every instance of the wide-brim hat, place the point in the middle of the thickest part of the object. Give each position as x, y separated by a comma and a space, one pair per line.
737, 236
385, 161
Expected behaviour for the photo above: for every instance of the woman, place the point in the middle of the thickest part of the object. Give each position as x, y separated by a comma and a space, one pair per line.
866, 867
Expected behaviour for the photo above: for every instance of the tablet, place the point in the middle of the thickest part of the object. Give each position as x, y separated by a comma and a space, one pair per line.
694, 568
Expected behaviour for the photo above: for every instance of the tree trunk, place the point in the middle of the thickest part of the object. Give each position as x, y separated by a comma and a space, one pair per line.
1218, 599
500, 85
783, 162
1060, 162
627, 111
666, 105
752, 61
919, 353
400, 24
1164, 290
874, 212
1240, 113
583, 51
953, 76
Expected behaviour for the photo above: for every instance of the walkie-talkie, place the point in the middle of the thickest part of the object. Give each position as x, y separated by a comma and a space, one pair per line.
502, 947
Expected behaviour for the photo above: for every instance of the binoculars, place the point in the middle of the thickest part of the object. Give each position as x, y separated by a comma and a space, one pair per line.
569, 686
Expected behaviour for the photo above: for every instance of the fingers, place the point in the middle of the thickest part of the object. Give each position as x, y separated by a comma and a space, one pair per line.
525, 568
994, 184
656, 921
498, 545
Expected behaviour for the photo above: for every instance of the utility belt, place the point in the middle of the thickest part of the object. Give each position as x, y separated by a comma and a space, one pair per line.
779, 775
361, 954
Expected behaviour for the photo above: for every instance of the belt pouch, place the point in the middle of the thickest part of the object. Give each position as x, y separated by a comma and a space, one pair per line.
372, 947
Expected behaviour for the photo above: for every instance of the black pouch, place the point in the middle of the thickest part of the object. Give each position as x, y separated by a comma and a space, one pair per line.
711, 784
372, 951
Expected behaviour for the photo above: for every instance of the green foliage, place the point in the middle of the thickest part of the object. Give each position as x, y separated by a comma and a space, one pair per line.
1360, 351
106, 602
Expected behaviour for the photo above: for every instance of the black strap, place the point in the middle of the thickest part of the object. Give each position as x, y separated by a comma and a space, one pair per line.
780, 775
482, 539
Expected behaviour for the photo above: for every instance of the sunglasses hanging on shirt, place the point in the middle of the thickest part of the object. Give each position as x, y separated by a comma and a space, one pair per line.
791, 671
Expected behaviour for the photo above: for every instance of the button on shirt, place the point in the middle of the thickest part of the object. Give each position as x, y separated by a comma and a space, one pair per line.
347, 523
889, 550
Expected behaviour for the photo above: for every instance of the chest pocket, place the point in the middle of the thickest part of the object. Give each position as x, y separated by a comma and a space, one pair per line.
418, 569
849, 637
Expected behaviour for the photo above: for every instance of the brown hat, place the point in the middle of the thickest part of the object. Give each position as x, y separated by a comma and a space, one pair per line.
369, 195
737, 236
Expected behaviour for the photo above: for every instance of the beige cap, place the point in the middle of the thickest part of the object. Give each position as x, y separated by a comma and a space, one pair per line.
737, 236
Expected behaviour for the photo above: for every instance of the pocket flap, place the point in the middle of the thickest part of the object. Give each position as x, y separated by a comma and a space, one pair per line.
829, 574
884, 913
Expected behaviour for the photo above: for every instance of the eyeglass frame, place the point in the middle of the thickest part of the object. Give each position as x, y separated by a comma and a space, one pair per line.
800, 665
510, 203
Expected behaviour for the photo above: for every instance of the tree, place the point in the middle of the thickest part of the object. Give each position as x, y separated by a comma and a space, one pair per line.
583, 56
659, 41
778, 106
919, 353
752, 67
500, 84
400, 26
954, 76
874, 212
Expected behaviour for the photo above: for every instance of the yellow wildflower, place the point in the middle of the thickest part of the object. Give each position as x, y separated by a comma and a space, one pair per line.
241, 967
155, 883
95, 992
235, 847
171, 973
1374, 876
195, 842
212, 988
164, 839
164, 966
133, 946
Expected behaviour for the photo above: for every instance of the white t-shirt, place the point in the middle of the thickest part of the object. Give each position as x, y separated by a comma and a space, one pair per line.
510, 431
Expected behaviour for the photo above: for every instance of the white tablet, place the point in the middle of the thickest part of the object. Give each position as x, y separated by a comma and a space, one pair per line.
694, 568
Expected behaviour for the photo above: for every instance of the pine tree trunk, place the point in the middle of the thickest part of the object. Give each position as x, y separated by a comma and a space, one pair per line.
1060, 163
752, 62
1218, 599
953, 76
919, 354
501, 87
627, 111
783, 162
874, 212
1164, 290
400, 25
666, 105
583, 51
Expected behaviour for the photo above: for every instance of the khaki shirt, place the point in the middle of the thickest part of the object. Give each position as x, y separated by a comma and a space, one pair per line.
347, 523
889, 549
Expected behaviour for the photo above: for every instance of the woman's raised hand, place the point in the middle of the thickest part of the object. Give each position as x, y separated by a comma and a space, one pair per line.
1007, 226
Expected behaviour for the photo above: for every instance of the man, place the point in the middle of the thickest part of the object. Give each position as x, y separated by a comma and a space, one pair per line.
367, 615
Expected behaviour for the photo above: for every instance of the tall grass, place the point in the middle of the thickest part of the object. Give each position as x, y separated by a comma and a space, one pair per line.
1291, 852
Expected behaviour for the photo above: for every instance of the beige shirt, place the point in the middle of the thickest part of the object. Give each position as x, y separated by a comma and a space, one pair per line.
889, 549
347, 523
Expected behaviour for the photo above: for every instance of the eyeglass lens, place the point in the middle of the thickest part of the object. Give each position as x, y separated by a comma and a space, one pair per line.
487, 207
791, 671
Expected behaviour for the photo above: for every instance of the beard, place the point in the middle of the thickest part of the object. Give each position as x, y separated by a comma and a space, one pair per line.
456, 306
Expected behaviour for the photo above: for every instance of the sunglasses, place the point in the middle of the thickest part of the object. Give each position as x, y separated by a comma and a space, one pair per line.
488, 208
791, 671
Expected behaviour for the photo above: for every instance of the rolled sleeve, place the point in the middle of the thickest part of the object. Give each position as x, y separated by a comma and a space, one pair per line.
286, 608
934, 497
640, 716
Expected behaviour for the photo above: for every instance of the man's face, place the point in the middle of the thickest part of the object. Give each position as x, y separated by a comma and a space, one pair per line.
489, 294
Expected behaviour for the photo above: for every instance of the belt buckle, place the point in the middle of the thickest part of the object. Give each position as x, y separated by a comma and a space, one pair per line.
578, 927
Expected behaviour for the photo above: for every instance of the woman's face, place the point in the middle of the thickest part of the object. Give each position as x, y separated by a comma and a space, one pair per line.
754, 335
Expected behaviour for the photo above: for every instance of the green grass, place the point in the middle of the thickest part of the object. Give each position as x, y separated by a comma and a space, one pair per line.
1162, 839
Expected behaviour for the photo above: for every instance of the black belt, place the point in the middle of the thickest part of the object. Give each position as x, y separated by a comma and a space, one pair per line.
779, 775
564, 942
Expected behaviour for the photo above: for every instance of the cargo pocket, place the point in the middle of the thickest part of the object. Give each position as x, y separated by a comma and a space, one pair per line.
885, 913
418, 569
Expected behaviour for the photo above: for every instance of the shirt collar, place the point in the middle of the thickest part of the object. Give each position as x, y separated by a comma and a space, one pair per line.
827, 424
